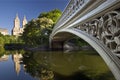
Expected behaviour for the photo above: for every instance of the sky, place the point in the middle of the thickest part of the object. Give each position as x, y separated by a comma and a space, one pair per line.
30, 8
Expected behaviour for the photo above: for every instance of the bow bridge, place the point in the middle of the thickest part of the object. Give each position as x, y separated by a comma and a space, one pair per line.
95, 21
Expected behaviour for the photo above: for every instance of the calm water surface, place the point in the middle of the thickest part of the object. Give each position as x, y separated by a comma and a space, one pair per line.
81, 65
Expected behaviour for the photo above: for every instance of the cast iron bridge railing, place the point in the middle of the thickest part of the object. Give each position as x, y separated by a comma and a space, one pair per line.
98, 23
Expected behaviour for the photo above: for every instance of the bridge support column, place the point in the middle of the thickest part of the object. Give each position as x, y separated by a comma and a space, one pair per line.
57, 45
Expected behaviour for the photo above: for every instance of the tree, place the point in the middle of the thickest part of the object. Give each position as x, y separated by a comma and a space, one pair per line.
44, 22
1, 41
29, 32
53, 14
37, 31
1, 35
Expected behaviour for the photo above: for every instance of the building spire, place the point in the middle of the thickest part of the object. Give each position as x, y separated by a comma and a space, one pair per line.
17, 29
17, 15
24, 17
24, 21
17, 18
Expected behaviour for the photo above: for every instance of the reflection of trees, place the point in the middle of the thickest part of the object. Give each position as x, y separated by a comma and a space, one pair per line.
72, 66
35, 68
2, 51
46, 74
76, 76
12, 52
103, 76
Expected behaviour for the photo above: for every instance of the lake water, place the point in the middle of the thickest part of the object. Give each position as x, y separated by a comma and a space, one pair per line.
54, 65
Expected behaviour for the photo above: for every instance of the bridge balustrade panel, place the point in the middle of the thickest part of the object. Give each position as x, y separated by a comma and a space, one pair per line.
73, 7
105, 28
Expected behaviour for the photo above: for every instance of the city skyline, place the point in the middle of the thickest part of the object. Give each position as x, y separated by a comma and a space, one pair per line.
29, 8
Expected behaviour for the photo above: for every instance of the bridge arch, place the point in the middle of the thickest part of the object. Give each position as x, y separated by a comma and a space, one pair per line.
107, 55
92, 20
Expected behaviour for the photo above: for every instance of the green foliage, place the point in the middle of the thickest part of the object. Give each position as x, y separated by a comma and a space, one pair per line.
83, 65
53, 14
78, 41
1, 35
5, 39
1, 41
2, 50
37, 31
44, 22
30, 32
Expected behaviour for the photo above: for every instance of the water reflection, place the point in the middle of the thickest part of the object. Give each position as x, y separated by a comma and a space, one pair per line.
82, 65
17, 59
4, 58
11, 67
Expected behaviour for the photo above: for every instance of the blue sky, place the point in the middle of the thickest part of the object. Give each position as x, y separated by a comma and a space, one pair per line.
30, 8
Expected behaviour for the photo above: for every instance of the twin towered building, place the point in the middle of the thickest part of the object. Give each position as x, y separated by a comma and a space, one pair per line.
17, 29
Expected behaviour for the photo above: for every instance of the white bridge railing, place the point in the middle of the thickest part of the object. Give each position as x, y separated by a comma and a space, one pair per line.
98, 18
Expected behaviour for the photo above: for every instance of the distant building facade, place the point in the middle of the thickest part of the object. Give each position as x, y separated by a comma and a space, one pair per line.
17, 30
3, 31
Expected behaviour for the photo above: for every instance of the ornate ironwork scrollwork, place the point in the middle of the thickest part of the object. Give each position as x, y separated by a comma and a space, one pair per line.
105, 28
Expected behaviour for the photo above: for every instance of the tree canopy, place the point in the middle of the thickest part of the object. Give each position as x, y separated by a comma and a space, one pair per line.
37, 31
53, 14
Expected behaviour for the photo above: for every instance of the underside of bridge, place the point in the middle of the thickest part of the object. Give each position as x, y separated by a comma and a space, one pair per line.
111, 60
95, 21
58, 40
